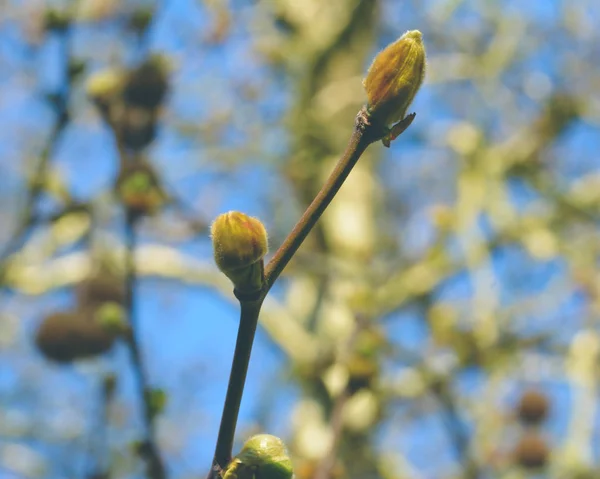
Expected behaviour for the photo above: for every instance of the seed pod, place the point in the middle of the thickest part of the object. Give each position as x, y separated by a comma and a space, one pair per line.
239, 245
533, 407
66, 336
531, 451
394, 78
263, 456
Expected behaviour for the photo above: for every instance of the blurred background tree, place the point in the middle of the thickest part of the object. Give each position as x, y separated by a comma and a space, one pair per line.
440, 322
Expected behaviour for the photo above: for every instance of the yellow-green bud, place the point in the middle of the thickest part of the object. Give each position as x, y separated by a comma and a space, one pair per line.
240, 244
263, 456
395, 77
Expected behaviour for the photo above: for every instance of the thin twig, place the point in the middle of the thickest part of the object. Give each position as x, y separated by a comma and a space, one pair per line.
29, 217
363, 135
149, 450
237, 378
459, 436
327, 464
365, 132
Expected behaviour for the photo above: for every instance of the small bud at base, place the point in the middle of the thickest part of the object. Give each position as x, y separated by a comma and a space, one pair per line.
263, 456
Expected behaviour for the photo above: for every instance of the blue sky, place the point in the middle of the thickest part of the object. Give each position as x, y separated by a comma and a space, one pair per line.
187, 332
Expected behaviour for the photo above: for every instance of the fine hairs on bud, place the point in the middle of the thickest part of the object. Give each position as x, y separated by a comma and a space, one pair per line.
394, 78
240, 244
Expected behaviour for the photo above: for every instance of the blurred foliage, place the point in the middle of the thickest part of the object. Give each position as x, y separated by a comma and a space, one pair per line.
452, 276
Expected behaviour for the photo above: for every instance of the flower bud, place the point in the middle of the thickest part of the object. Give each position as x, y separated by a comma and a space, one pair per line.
395, 77
240, 244
263, 456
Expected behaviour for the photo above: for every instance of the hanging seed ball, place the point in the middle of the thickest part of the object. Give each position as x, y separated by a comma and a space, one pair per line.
533, 407
66, 336
531, 451
100, 289
147, 85
139, 189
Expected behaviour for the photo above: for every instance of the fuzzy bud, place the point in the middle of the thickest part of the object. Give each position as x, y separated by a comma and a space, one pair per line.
394, 78
263, 456
240, 244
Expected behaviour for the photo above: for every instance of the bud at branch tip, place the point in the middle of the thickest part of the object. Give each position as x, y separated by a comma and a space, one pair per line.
393, 80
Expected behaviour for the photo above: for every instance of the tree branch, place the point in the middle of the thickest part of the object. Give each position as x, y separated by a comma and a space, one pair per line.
365, 132
149, 450
363, 135
28, 217
237, 378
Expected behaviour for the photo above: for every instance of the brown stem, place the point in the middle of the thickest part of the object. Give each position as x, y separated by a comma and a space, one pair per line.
365, 132
149, 450
237, 378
